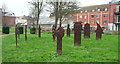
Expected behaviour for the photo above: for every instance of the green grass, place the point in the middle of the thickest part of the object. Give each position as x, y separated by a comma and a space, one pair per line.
13, 30
44, 49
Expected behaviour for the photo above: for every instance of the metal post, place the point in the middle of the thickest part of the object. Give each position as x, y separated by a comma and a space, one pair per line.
16, 34
25, 32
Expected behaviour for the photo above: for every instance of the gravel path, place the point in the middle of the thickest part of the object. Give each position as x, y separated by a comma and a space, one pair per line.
2, 35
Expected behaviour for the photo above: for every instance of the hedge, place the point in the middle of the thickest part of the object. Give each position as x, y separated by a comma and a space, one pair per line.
5, 30
21, 30
32, 30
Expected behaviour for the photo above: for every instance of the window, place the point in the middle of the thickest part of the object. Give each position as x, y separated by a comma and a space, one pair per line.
85, 11
105, 15
85, 22
80, 16
93, 10
97, 21
92, 28
92, 16
105, 9
81, 11
74, 17
105, 21
97, 15
92, 22
103, 27
118, 7
71, 22
98, 9
117, 19
85, 16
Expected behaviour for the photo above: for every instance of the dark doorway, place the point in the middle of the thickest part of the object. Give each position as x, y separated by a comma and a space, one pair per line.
118, 27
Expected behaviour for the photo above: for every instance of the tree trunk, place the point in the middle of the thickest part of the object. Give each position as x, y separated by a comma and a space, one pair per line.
38, 16
60, 21
33, 23
56, 15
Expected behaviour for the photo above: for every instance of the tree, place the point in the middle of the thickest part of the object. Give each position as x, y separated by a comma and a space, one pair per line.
62, 10
36, 9
33, 14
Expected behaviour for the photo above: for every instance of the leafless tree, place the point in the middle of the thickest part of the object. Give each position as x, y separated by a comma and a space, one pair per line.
62, 10
36, 9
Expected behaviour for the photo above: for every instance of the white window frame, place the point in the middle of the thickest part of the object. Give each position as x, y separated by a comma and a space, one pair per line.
106, 9
85, 22
81, 11
104, 20
97, 14
93, 17
85, 11
80, 16
84, 16
93, 10
118, 8
98, 21
98, 10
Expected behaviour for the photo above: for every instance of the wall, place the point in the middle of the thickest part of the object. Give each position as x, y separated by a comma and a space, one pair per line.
8, 20
89, 19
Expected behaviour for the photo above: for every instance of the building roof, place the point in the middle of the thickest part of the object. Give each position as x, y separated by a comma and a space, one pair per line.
114, 2
94, 7
90, 8
46, 21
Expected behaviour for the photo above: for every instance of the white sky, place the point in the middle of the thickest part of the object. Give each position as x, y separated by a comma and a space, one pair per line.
20, 7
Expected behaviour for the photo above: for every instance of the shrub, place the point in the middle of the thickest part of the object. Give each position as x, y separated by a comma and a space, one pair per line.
116, 32
21, 30
32, 30
5, 29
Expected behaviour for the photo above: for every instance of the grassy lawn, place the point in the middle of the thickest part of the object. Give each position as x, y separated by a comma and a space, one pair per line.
13, 30
44, 49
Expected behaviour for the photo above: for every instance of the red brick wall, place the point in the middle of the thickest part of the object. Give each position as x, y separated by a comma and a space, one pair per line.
101, 18
8, 20
89, 19
111, 8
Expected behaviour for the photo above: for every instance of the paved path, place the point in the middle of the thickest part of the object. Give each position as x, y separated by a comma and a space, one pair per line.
1, 35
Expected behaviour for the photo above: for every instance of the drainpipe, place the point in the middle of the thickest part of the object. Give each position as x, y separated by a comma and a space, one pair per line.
113, 20
109, 13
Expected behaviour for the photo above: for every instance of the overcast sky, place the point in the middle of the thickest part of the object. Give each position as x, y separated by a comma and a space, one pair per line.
20, 7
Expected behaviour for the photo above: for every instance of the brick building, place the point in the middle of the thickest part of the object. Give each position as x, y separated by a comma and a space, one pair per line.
8, 21
103, 14
92, 15
114, 23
